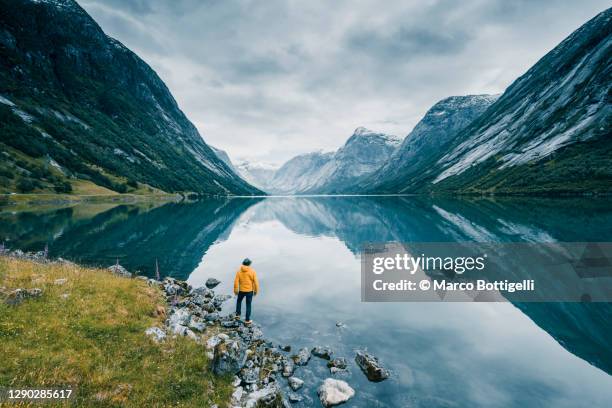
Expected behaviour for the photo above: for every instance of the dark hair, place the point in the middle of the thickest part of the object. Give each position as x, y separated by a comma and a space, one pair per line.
246, 262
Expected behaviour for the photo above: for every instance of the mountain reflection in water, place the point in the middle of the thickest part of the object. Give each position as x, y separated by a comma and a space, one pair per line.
297, 244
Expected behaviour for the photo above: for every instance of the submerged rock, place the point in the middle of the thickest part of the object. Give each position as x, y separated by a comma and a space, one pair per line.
229, 357
212, 283
285, 347
371, 367
302, 357
334, 392
293, 397
322, 352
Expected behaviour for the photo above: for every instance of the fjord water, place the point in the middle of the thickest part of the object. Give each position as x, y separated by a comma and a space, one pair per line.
306, 252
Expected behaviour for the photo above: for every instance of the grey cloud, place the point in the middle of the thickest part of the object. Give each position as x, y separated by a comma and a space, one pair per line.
269, 79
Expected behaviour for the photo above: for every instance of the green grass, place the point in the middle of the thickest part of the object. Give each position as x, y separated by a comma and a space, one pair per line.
94, 339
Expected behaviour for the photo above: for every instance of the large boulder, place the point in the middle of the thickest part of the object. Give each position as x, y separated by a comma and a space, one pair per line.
334, 392
229, 357
180, 316
371, 367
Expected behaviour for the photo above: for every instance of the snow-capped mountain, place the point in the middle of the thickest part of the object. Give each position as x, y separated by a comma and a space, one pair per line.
548, 133
257, 174
335, 172
439, 126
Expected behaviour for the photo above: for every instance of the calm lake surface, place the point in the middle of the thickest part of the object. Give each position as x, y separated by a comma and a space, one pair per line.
306, 253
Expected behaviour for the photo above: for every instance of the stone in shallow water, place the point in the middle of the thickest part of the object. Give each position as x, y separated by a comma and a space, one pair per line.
295, 383
212, 283
288, 367
302, 357
339, 363
371, 367
334, 392
322, 352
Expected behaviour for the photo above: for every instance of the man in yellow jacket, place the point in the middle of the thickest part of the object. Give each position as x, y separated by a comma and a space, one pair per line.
246, 286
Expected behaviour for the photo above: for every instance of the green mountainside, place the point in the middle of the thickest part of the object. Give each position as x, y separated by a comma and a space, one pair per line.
77, 108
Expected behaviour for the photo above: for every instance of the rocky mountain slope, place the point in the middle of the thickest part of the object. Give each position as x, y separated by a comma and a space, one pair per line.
439, 126
76, 104
548, 133
324, 173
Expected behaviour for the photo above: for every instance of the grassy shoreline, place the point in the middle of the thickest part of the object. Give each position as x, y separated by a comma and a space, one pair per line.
88, 331
60, 199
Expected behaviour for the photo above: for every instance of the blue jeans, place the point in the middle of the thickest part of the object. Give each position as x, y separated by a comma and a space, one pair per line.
249, 299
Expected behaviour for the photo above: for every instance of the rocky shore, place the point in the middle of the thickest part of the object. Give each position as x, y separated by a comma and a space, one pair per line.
260, 368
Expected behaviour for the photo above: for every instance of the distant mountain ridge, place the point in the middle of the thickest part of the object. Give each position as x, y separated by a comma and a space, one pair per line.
333, 172
76, 104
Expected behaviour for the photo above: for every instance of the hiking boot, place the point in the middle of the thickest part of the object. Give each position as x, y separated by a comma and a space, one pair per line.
248, 322
237, 317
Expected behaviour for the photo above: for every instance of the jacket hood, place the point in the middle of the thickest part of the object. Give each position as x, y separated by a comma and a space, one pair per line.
244, 268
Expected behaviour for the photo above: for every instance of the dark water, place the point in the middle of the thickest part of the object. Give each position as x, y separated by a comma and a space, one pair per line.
306, 253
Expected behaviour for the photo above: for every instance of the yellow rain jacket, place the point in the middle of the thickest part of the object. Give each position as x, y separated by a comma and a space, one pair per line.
246, 280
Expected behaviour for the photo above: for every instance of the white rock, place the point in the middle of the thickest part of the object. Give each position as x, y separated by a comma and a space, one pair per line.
295, 383
156, 333
60, 281
237, 396
180, 316
334, 392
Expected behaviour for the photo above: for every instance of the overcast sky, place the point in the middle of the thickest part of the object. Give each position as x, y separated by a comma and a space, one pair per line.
266, 80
